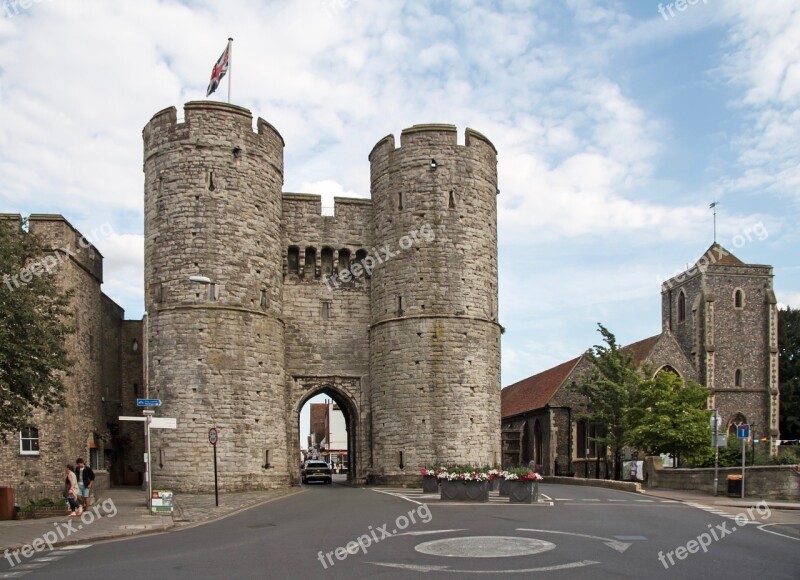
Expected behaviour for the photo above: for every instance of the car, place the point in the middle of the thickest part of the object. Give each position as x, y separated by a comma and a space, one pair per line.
316, 470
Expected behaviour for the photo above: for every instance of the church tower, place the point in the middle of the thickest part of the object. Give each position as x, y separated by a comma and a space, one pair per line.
724, 315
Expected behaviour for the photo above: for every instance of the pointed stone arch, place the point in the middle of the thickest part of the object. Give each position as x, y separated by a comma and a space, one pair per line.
346, 393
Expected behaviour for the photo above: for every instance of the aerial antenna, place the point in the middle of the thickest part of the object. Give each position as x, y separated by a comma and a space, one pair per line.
714, 207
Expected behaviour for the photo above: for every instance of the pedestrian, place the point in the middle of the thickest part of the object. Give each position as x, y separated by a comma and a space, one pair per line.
71, 490
85, 477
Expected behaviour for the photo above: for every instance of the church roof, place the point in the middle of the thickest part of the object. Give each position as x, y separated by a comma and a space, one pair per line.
716, 255
641, 350
535, 391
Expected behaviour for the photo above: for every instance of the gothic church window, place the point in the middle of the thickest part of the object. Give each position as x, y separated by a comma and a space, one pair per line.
738, 299
681, 307
29, 441
582, 439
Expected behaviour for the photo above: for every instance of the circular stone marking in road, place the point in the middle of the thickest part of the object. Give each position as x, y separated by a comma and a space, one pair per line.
484, 547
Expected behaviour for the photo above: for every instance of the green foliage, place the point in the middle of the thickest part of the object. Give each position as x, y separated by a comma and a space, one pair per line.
33, 505
608, 390
789, 372
665, 416
33, 330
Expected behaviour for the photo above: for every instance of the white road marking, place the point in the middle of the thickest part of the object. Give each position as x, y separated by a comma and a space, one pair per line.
431, 532
397, 495
420, 568
610, 542
762, 526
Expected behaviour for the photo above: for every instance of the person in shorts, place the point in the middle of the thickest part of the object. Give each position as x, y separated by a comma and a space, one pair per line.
85, 477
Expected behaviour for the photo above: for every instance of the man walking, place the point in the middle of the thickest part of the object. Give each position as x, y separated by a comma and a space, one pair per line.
85, 477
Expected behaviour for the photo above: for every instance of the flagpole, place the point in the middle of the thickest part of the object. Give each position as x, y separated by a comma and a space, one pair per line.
714, 207
230, 67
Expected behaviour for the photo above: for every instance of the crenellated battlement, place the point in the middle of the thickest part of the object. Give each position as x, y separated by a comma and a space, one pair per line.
429, 135
209, 123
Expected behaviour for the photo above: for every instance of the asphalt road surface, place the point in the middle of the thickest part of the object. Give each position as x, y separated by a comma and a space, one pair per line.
579, 532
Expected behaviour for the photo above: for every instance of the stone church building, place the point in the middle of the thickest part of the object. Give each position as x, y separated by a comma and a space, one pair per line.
719, 328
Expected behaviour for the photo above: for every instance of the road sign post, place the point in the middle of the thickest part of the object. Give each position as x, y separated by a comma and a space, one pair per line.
743, 433
715, 427
151, 422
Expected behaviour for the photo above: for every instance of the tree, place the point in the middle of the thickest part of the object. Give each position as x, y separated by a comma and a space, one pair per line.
33, 330
608, 390
665, 416
789, 372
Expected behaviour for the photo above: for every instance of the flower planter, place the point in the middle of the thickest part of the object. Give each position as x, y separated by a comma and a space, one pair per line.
520, 491
38, 513
504, 487
464, 490
429, 484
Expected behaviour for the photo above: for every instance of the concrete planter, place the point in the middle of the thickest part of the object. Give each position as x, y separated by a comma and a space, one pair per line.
504, 486
464, 491
521, 491
429, 484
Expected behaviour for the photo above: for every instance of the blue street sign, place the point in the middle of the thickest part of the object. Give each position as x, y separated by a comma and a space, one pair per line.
148, 402
743, 431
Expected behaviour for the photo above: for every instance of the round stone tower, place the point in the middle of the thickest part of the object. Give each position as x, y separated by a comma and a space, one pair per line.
434, 335
213, 276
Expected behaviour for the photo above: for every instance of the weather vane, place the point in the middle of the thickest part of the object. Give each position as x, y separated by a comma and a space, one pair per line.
714, 207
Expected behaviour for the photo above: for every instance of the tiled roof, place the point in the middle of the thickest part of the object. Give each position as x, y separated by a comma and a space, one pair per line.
716, 255
536, 391
642, 349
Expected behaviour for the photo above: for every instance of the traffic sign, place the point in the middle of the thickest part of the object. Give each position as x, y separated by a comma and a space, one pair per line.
743, 431
148, 402
213, 436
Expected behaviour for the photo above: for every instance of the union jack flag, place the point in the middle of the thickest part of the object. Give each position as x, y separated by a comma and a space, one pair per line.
219, 70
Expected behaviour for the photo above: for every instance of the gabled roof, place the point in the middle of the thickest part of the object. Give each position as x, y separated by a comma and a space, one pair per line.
536, 391
641, 350
716, 255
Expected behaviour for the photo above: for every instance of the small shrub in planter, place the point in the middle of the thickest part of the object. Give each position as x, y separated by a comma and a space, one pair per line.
521, 485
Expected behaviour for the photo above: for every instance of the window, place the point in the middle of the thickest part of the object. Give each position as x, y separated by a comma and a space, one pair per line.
326, 310
737, 378
327, 261
452, 201
344, 260
294, 259
582, 446
29, 441
212, 292
400, 200
681, 307
738, 299
310, 262
264, 298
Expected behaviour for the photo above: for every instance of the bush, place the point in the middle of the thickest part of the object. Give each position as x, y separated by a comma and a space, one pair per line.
34, 505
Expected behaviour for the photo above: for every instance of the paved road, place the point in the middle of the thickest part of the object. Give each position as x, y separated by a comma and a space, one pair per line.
579, 532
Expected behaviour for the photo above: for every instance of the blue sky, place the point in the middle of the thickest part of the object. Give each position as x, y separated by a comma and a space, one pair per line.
616, 127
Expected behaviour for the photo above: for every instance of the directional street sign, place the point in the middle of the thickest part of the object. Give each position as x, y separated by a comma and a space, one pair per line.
743, 431
148, 402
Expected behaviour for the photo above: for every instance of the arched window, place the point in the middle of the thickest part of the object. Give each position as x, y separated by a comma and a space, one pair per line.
344, 259
294, 259
29, 441
537, 443
738, 299
737, 378
582, 439
310, 264
681, 307
327, 261
737, 419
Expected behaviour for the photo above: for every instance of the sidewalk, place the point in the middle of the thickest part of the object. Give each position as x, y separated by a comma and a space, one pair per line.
722, 499
121, 512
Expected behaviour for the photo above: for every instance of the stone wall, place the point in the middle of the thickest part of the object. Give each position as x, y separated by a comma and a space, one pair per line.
778, 482
68, 433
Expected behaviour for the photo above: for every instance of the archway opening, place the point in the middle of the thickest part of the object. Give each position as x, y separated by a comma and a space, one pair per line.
326, 428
